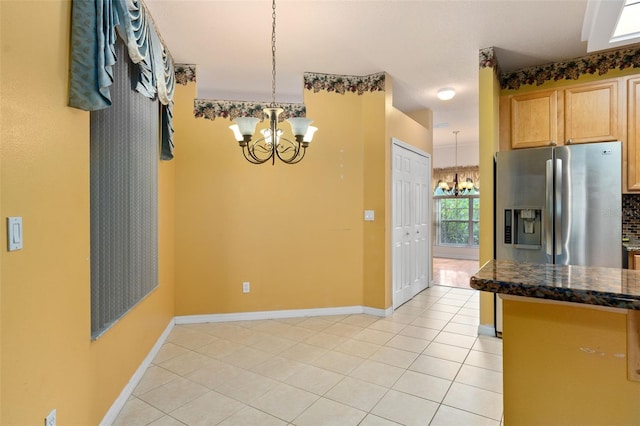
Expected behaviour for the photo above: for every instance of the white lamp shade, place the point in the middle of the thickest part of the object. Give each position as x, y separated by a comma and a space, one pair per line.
309, 135
299, 125
236, 132
247, 125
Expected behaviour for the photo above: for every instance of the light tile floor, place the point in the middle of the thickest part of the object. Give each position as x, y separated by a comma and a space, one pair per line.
423, 365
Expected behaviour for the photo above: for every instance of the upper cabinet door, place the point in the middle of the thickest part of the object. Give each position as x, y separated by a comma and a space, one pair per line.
633, 134
591, 113
534, 120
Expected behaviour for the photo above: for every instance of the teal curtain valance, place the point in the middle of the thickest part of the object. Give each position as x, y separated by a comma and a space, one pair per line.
95, 25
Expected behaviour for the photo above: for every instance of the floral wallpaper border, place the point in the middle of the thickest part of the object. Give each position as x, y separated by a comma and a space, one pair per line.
599, 63
344, 83
488, 58
211, 109
185, 73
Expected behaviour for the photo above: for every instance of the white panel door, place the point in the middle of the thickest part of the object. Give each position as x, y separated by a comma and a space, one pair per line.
411, 177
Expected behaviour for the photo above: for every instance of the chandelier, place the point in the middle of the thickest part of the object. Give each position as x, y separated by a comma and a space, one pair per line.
272, 143
458, 188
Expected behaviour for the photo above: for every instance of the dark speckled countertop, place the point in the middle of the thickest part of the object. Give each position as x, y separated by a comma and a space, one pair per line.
617, 288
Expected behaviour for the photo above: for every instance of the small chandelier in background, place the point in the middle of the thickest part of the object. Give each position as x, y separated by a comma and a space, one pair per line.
273, 144
458, 188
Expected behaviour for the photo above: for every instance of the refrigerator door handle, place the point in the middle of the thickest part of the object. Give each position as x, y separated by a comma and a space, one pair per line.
549, 214
558, 207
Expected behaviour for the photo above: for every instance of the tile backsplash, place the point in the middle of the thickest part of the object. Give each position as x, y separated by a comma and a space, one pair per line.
631, 216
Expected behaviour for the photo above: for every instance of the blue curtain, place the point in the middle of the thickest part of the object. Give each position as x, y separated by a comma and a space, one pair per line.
93, 37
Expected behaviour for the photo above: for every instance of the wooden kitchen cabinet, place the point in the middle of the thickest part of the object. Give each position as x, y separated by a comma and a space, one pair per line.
534, 120
581, 113
591, 113
633, 134
633, 259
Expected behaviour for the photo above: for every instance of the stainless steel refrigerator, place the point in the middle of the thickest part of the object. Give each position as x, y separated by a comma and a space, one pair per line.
560, 205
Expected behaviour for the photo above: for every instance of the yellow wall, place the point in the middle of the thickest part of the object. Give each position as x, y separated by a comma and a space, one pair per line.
566, 365
47, 357
1, 210
296, 233
489, 93
376, 148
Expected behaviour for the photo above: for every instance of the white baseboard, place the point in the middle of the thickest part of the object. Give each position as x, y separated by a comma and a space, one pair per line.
486, 330
377, 312
287, 313
119, 403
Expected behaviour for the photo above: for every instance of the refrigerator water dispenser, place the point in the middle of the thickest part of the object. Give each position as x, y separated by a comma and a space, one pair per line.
523, 228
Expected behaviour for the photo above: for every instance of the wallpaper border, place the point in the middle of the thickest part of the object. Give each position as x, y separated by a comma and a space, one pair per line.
212, 109
342, 84
600, 63
185, 73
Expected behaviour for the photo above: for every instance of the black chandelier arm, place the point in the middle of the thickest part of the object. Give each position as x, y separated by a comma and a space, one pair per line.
282, 149
258, 146
294, 158
294, 151
261, 146
250, 157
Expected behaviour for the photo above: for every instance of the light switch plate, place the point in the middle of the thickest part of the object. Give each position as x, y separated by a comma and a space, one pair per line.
50, 420
14, 233
369, 215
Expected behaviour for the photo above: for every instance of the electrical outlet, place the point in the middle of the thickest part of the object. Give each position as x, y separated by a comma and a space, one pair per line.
246, 287
50, 420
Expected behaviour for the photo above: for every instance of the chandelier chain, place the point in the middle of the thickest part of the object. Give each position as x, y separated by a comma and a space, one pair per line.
273, 144
273, 54
455, 132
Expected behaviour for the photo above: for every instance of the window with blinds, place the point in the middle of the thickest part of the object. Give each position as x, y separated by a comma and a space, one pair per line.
124, 151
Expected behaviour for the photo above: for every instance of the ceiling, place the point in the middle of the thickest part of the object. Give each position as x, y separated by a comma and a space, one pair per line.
423, 45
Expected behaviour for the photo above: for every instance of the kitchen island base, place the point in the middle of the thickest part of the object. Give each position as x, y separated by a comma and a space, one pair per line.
567, 364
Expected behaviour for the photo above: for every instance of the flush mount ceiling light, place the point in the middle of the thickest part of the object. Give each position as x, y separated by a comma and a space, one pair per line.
446, 94
273, 144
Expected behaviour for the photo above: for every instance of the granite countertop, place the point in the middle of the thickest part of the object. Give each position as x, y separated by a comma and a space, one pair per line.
618, 288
